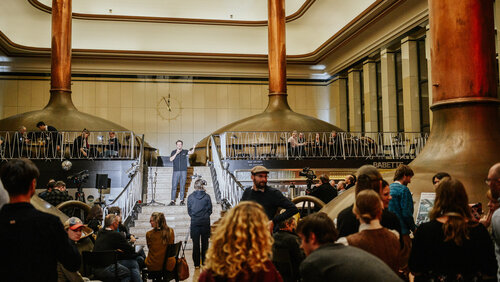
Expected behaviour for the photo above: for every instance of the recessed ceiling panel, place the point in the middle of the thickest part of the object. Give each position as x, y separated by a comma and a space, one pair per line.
244, 10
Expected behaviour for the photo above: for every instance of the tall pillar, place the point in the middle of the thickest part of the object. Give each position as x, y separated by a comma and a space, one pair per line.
465, 136
411, 99
428, 43
354, 84
370, 95
338, 90
389, 104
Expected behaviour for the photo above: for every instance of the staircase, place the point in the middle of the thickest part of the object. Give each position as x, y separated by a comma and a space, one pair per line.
176, 216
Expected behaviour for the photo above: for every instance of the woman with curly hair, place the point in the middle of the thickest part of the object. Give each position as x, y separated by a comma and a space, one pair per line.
157, 239
452, 247
241, 247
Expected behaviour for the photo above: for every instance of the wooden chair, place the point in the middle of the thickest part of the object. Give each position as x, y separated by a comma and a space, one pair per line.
98, 260
163, 274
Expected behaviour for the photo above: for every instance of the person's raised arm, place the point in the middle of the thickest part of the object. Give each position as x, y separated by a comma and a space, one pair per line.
192, 150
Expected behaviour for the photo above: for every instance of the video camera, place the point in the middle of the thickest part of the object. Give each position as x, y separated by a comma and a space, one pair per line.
309, 174
79, 177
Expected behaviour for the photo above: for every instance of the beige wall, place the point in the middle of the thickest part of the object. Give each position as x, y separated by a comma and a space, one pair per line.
205, 105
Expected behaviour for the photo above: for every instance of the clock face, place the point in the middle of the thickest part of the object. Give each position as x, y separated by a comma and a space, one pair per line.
168, 108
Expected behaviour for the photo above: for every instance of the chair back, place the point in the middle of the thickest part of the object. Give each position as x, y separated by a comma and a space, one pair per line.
281, 259
173, 250
98, 259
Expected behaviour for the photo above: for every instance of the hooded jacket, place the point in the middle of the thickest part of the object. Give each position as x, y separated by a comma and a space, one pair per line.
199, 207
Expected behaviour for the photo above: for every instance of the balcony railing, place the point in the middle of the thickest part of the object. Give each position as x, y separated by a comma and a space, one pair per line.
321, 145
68, 144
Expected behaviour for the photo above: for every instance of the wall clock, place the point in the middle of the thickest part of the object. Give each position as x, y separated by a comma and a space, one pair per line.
168, 108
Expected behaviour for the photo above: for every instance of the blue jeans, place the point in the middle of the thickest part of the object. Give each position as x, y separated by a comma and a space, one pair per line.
178, 176
133, 266
108, 273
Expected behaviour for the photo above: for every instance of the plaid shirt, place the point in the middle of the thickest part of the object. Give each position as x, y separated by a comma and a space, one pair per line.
56, 197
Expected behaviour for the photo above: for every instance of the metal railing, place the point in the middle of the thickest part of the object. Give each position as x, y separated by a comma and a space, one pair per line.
68, 144
317, 145
229, 188
132, 193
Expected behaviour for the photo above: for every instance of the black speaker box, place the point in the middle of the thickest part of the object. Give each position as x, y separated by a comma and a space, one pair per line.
101, 181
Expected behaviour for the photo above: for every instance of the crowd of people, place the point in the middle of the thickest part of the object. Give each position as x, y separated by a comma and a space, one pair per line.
50, 142
375, 239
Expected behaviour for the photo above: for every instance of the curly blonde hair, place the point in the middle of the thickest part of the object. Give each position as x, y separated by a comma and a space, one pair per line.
241, 242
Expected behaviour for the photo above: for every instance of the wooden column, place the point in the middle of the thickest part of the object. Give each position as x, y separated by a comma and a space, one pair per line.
277, 47
61, 45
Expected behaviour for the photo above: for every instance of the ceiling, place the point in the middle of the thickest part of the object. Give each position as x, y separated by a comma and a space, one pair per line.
191, 30
247, 10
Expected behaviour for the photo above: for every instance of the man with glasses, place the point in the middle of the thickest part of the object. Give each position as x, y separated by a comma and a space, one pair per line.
493, 181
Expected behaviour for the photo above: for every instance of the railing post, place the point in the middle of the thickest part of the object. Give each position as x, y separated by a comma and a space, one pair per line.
132, 145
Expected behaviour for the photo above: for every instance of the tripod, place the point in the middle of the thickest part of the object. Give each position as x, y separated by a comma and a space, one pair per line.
153, 201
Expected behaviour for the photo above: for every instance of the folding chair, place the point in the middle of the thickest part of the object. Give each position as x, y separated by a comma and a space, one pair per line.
98, 260
173, 250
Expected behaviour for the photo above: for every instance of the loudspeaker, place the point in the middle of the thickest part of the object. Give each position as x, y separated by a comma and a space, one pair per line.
101, 181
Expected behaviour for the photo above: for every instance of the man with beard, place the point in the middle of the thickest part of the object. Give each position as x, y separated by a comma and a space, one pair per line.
270, 198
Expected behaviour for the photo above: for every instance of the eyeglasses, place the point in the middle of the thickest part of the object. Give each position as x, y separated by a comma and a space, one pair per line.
489, 180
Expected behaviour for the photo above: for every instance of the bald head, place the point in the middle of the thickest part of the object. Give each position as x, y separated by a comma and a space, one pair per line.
493, 180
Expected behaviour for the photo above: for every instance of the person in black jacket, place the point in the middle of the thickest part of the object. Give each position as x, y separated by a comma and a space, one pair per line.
51, 137
368, 178
199, 207
109, 239
325, 192
287, 241
33, 241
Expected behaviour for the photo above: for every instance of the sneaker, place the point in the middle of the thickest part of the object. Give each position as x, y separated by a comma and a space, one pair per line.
182, 203
172, 203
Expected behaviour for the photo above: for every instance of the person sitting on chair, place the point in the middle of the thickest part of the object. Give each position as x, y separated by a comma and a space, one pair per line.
78, 233
113, 146
81, 146
287, 240
58, 194
109, 239
157, 239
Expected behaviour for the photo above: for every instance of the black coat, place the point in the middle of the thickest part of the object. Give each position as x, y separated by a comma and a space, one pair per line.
325, 192
199, 207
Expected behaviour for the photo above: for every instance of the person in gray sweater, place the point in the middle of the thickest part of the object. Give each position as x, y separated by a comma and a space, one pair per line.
328, 261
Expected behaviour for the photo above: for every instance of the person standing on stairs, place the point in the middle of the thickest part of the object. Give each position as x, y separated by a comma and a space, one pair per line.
199, 207
180, 158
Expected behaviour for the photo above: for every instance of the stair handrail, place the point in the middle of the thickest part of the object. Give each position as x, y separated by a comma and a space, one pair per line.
132, 192
230, 188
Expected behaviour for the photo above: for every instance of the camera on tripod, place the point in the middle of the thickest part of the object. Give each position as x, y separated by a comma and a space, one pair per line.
309, 174
79, 177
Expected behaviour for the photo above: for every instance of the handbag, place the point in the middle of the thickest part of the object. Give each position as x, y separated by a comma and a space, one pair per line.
182, 266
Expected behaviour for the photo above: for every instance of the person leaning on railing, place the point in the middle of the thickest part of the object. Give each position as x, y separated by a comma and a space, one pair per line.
113, 147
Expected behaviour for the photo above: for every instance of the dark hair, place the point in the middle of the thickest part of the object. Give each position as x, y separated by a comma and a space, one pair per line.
51, 184
114, 210
179, 141
40, 123
384, 183
368, 179
402, 171
283, 223
17, 175
353, 178
95, 213
452, 201
321, 225
60, 184
440, 175
324, 178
